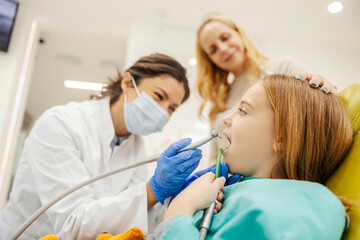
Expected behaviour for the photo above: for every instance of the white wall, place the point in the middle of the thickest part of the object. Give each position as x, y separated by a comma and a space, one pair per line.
338, 66
76, 56
15, 71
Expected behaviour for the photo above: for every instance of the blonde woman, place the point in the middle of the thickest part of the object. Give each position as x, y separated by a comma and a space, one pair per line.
224, 48
286, 140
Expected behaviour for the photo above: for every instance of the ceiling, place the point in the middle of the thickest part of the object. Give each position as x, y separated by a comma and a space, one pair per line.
306, 21
90, 36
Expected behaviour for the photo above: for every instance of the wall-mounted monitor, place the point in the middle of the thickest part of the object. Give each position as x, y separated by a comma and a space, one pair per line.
8, 11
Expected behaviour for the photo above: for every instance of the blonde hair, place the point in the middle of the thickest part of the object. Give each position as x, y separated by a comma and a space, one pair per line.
312, 129
211, 81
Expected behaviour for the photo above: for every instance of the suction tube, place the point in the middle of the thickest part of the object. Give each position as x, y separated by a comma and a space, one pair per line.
150, 159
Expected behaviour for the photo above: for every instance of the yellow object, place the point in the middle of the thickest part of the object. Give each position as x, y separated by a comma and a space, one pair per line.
345, 181
131, 234
104, 236
49, 237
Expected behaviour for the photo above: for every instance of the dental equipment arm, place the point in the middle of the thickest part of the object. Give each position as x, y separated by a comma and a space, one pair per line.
100, 176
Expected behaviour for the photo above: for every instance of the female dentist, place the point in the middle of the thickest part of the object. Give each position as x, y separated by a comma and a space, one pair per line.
71, 143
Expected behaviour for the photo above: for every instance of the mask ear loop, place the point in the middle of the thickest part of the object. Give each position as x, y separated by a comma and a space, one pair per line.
134, 83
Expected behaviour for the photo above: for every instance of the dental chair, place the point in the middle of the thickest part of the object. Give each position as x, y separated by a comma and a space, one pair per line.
345, 181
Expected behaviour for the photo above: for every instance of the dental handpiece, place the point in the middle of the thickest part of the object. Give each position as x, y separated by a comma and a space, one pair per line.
190, 146
100, 176
200, 142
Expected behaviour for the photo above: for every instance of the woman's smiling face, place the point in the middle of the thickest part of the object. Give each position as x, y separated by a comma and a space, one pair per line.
224, 46
250, 131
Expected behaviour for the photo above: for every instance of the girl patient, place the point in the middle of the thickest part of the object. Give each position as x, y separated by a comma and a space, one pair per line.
286, 140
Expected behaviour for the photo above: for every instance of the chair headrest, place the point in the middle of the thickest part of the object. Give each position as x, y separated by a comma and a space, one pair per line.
351, 98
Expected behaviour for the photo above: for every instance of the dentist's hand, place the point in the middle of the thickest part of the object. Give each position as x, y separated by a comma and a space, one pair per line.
224, 173
173, 168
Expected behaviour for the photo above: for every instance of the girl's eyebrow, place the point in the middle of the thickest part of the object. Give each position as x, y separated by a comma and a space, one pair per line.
247, 103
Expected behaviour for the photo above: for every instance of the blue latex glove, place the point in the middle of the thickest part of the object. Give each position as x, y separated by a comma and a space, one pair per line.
224, 173
173, 168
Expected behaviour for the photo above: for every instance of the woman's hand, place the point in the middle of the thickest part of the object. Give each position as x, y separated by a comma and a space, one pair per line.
224, 173
197, 196
317, 81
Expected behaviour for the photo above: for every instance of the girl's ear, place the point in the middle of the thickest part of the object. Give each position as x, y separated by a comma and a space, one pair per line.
278, 147
126, 82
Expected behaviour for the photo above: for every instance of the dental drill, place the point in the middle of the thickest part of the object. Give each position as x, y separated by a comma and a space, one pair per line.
103, 175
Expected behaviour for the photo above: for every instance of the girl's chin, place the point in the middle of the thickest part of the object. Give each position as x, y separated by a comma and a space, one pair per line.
228, 164
226, 155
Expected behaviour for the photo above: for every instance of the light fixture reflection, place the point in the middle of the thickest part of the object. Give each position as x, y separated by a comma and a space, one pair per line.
192, 61
83, 85
335, 7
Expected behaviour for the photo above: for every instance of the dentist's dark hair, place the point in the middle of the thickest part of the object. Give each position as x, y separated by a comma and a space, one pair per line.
147, 67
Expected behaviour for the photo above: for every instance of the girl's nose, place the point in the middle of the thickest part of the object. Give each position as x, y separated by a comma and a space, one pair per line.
227, 120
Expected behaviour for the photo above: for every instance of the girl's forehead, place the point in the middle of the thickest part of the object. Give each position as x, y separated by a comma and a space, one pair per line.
256, 96
255, 91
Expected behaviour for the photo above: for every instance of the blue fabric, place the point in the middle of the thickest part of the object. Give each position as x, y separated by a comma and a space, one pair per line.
224, 172
269, 209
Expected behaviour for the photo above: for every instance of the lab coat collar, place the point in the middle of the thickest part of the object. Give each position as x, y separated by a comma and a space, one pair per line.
106, 127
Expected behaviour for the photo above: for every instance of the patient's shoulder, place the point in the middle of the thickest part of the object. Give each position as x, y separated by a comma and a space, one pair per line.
305, 208
285, 193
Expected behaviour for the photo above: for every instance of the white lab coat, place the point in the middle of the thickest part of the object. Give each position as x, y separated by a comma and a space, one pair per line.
67, 145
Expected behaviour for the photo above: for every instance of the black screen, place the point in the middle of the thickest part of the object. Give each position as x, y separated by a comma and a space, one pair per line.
8, 10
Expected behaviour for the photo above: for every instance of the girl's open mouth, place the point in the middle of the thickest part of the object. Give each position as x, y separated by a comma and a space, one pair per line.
229, 143
228, 140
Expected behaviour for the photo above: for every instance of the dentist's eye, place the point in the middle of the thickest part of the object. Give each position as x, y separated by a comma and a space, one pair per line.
242, 111
172, 109
159, 96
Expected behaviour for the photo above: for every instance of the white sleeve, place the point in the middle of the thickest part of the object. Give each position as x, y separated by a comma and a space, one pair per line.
57, 166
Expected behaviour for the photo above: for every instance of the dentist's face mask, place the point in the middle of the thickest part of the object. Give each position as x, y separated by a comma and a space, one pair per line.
143, 115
